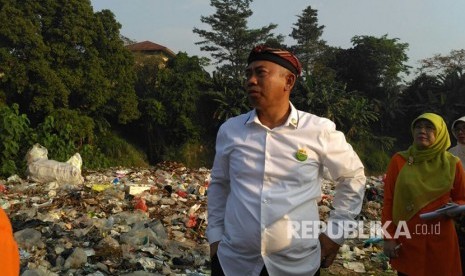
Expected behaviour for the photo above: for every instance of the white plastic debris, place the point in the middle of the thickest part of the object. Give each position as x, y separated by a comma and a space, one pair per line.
41, 169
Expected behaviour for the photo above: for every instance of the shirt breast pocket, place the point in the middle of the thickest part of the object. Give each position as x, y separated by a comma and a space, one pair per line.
307, 169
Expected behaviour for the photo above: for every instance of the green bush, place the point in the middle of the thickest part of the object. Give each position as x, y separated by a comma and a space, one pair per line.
119, 152
374, 157
82, 130
376, 162
14, 136
56, 138
65, 132
192, 154
93, 158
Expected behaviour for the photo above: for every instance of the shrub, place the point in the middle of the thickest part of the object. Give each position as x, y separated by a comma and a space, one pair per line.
193, 154
14, 135
57, 138
374, 157
119, 152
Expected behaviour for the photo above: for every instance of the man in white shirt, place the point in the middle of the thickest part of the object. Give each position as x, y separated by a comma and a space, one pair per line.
266, 180
458, 130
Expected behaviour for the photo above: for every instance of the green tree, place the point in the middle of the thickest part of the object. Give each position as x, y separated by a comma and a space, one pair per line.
439, 87
351, 112
230, 99
27, 76
372, 66
15, 134
169, 98
181, 83
121, 105
229, 41
68, 71
442, 94
307, 33
59, 54
443, 64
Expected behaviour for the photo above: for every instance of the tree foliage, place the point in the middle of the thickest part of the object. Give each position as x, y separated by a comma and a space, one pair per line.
442, 94
229, 41
15, 133
372, 65
230, 98
65, 69
67, 82
443, 64
169, 96
59, 54
307, 33
351, 112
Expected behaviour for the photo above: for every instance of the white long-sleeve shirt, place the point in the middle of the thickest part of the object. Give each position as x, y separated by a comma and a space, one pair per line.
262, 200
459, 151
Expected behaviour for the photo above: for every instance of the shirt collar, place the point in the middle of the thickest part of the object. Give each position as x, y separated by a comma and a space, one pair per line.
292, 120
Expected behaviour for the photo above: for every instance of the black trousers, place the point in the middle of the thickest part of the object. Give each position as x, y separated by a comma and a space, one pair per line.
218, 271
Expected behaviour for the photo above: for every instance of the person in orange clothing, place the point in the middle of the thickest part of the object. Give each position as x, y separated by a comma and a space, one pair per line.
9, 254
422, 179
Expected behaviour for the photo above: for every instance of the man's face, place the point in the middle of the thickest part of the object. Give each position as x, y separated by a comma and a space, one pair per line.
459, 131
266, 84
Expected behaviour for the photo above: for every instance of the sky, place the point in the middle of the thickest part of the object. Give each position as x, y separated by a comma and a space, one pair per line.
429, 26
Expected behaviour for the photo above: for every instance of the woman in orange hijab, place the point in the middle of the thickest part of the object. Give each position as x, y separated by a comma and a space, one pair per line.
9, 255
421, 179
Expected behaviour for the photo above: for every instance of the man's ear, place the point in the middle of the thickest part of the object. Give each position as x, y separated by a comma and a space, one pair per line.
290, 81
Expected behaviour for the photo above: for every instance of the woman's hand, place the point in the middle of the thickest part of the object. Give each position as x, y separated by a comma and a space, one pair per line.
391, 248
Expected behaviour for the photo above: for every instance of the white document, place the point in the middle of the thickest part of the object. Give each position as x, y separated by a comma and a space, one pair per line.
450, 209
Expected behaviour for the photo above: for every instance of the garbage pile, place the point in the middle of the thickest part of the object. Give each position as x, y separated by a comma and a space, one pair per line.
361, 253
120, 221
150, 221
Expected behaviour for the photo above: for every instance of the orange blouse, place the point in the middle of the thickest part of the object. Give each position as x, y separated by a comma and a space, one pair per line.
9, 255
433, 247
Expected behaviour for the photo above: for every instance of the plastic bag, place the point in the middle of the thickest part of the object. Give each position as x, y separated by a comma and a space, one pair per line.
41, 169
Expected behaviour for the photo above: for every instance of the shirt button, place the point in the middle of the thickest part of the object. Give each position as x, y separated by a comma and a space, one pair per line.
265, 201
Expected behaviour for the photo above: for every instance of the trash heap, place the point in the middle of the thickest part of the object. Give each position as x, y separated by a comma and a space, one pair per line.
363, 253
150, 221
119, 222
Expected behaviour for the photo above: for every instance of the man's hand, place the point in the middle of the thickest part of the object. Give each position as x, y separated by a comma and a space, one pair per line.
329, 250
391, 248
213, 248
